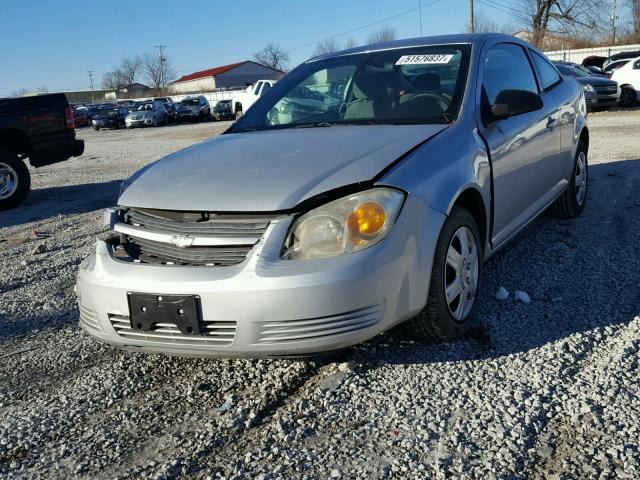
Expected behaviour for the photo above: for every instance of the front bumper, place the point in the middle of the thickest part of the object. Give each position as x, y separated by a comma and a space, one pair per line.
138, 123
271, 307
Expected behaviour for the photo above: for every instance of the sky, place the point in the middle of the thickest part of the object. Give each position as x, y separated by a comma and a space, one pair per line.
53, 43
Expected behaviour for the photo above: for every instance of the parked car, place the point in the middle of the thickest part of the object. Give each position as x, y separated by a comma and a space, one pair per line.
600, 93
110, 118
128, 104
80, 117
92, 110
587, 70
628, 77
318, 233
597, 71
613, 66
150, 113
224, 110
242, 99
628, 55
193, 109
170, 106
40, 128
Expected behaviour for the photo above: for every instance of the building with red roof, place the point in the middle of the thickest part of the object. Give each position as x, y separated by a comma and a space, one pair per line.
227, 76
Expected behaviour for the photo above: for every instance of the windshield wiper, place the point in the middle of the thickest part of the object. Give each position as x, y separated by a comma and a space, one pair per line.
313, 125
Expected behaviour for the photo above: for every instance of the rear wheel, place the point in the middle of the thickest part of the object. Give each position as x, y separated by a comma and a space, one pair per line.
571, 203
456, 278
628, 97
15, 180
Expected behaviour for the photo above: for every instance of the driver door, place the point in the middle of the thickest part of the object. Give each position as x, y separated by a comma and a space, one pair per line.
520, 146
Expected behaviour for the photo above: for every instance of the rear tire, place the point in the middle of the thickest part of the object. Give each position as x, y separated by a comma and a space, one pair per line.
628, 97
571, 203
15, 180
457, 269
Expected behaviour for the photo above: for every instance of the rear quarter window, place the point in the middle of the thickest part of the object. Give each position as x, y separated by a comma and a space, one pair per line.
549, 76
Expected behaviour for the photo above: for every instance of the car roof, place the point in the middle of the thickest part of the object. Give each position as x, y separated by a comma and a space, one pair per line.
460, 39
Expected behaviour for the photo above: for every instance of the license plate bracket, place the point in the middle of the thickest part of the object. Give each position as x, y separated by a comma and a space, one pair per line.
147, 310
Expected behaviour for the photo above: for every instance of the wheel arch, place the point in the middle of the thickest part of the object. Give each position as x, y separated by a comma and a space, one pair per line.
471, 199
14, 141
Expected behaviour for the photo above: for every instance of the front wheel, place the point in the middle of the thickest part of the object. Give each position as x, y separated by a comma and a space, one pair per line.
15, 180
571, 203
456, 279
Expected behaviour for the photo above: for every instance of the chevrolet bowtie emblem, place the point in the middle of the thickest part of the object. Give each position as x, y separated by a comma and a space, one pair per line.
182, 241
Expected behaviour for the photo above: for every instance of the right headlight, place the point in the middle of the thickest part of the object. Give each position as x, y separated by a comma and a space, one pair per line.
346, 225
589, 88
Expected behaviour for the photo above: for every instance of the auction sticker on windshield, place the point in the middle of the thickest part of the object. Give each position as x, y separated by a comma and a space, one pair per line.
424, 59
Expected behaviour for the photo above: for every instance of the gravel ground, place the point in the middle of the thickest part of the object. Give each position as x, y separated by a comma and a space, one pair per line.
546, 390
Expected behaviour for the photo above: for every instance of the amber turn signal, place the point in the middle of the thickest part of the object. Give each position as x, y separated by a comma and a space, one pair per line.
367, 220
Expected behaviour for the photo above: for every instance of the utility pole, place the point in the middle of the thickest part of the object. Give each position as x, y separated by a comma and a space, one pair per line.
93, 98
420, 8
161, 54
614, 17
472, 26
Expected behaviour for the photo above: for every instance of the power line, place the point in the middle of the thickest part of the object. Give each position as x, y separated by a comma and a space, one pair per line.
406, 12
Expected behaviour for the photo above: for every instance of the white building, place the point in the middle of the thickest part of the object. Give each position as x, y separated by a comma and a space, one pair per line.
234, 75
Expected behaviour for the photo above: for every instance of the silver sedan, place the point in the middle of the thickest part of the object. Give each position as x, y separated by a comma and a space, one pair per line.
366, 189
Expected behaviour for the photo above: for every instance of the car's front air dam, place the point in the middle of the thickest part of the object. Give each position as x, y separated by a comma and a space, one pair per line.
271, 306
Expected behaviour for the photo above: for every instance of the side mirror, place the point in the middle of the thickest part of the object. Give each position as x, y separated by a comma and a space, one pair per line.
510, 103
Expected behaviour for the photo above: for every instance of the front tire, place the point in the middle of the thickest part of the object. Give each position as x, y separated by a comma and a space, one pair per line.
571, 203
15, 180
456, 279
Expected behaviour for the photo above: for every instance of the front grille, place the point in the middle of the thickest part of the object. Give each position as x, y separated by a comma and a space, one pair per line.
608, 90
187, 238
217, 333
285, 331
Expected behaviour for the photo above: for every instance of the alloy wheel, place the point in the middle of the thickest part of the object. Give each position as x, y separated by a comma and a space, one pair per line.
581, 177
8, 181
461, 273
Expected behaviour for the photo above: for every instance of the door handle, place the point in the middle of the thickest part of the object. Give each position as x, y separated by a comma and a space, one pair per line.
551, 122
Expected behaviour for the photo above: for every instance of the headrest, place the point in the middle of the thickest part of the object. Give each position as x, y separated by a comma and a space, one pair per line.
369, 86
427, 81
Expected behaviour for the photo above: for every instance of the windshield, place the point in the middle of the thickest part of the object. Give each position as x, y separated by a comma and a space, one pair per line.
143, 106
404, 86
571, 71
223, 105
189, 102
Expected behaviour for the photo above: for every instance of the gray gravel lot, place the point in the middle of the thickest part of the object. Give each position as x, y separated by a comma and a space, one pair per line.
539, 391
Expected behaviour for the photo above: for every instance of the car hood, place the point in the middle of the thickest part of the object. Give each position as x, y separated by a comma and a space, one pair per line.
270, 170
596, 81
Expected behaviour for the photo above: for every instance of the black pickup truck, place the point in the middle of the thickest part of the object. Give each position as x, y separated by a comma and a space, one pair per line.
39, 128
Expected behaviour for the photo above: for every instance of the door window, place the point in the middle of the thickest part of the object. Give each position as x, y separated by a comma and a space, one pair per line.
507, 67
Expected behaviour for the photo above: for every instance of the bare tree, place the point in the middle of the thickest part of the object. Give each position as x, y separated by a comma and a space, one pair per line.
384, 34
114, 80
42, 89
130, 66
482, 24
635, 13
351, 43
326, 46
273, 56
566, 16
158, 70
21, 92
